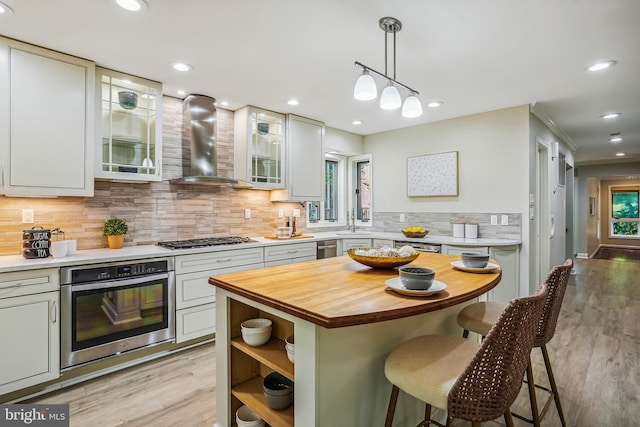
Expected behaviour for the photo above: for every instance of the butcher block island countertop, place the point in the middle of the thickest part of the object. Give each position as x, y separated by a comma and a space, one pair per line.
345, 322
338, 292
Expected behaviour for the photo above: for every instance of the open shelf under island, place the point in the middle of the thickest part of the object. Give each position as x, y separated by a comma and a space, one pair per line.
345, 321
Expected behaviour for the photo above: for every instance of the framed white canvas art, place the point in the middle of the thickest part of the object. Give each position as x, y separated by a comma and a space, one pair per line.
433, 175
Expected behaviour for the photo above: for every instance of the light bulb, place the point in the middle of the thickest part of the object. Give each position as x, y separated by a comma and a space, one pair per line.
365, 88
390, 98
411, 107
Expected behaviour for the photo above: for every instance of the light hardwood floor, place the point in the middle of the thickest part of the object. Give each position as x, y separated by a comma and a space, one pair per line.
594, 353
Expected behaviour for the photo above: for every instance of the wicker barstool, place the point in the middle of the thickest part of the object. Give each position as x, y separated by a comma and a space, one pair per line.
481, 316
473, 382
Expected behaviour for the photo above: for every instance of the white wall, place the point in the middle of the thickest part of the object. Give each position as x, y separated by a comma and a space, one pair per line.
345, 143
493, 167
493, 163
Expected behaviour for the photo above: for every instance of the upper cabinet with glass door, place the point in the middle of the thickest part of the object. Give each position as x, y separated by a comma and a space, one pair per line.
259, 147
129, 127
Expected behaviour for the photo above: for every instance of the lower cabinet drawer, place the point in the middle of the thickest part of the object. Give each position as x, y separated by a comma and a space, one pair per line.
195, 322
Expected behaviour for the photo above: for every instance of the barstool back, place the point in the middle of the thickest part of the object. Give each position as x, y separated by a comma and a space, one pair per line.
557, 280
491, 381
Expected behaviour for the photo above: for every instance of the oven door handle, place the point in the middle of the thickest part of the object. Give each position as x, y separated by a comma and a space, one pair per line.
117, 283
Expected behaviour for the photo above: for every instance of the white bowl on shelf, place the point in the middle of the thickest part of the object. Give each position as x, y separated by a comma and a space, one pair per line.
290, 347
245, 417
256, 332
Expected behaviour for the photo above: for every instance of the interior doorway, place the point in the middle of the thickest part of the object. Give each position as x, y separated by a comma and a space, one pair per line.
542, 213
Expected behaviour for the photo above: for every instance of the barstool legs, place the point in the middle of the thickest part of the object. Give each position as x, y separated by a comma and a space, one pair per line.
392, 406
552, 382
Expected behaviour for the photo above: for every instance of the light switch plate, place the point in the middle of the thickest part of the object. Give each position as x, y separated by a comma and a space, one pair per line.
280, 213
28, 216
401, 217
296, 213
494, 219
504, 220
247, 213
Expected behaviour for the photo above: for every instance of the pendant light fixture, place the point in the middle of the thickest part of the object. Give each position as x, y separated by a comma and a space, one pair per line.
390, 98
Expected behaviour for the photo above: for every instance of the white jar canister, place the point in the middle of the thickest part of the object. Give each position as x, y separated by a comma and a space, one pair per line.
458, 229
471, 231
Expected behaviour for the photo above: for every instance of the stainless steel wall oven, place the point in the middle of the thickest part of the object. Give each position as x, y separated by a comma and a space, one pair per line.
108, 309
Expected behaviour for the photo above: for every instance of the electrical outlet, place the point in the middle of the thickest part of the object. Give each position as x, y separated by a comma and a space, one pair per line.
280, 213
247, 213
494, 219
296, 213
504, 220
401, 217
28, 216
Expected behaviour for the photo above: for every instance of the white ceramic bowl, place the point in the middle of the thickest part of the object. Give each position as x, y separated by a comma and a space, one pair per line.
256, 332
245, 417
290, 347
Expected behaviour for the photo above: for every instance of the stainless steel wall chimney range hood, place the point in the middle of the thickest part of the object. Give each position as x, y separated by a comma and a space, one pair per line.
199, 155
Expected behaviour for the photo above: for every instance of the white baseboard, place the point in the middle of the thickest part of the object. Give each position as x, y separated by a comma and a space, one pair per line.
582, 255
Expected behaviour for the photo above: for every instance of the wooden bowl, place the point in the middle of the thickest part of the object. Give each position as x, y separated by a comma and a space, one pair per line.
410, 234
380, 261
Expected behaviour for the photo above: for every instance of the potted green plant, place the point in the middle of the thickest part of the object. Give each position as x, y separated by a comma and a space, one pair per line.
115, 229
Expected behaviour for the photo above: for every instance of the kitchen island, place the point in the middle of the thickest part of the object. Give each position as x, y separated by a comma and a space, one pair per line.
345, 323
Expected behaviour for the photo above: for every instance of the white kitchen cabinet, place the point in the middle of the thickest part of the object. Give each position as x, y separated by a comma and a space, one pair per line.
128, 127
459, 249
29, 328
347, 244
508, 257
289, 253
259, 147
195, 297
46, 122
305, 174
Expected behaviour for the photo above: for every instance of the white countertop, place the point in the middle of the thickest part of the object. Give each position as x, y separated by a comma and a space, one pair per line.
10, 263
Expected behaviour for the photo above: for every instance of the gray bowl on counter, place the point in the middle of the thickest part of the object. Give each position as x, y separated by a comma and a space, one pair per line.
474, 259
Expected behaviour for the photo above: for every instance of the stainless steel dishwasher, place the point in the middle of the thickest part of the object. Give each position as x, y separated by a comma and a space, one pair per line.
327, 249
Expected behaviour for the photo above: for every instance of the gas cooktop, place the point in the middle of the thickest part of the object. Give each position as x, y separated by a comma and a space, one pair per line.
201, 243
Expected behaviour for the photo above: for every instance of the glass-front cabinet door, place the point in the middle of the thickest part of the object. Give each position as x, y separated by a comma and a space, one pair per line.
259, 148
129, 127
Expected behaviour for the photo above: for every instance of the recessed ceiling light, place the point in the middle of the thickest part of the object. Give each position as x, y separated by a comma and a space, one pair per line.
293, 102
615, 137
132, 5
182, 66
435, 104
602, 65
610, 115
181, 92
356, 122
620, 154
224, 103
5, 9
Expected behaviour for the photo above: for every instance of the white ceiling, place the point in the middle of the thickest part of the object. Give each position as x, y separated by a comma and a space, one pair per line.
475, 55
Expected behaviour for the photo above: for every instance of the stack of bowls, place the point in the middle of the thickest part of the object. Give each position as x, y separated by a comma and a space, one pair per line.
245, 417
256, 332
290, 348
278, 390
